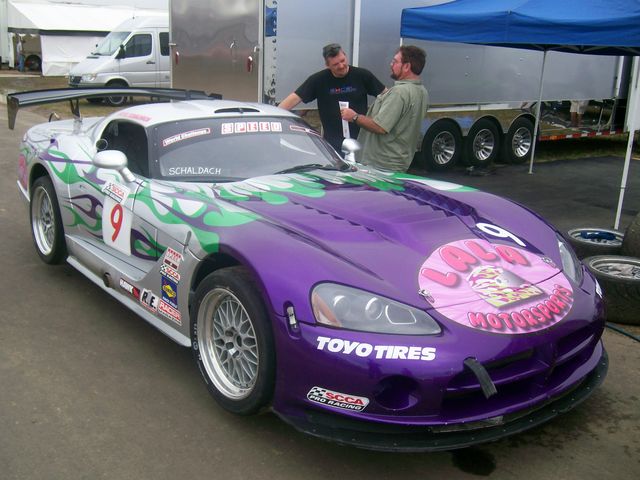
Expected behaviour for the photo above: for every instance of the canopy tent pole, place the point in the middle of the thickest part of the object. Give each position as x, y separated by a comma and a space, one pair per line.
633, 120
538, 109
623, 181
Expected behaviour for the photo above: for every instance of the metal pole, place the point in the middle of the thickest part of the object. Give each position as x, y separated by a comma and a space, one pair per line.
623, 182
537, 122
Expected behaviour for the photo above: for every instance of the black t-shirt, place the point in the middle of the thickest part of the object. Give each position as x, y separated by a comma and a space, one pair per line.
329, 90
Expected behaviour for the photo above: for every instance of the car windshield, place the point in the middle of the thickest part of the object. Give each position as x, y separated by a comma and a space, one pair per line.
110, 43
232, 148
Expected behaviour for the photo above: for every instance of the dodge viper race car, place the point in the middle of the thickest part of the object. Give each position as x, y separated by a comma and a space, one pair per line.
372, 308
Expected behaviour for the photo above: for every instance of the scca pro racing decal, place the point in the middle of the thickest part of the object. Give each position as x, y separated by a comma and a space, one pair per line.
496, 288
337, 399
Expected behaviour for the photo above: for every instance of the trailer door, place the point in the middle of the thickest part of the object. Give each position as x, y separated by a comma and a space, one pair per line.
215, 46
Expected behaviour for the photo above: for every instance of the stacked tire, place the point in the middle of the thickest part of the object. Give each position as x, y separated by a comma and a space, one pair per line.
614, 259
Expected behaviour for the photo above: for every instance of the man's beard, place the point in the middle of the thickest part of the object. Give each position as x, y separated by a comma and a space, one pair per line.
394, 76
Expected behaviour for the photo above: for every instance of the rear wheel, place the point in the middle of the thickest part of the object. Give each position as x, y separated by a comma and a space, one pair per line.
46, 222
442, 146
518, 142
117, 101
482, 143
232, 341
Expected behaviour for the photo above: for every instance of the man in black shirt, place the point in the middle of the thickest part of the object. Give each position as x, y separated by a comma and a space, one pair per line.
339, 82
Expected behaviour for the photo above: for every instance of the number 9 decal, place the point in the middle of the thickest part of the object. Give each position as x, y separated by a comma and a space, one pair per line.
116, 226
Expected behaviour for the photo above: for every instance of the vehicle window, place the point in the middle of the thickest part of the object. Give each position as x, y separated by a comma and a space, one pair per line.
130, 139
138, 46
110, 43
164, 44
236, 148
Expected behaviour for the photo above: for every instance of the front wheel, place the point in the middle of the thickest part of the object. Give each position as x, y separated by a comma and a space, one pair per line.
232, 341
46, 223
117, 101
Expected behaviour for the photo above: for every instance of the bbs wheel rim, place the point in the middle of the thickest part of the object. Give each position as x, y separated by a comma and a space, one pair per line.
43, 223
521, 142
227, 343
443, 148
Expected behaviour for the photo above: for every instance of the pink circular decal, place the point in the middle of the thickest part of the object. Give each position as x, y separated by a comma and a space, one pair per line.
495, 288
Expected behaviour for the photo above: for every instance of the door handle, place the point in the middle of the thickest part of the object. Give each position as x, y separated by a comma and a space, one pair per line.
151, 62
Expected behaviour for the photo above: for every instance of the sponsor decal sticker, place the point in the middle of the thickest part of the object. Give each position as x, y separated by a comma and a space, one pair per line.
172, 258
169, 312
135, 116
116, 225
380, 352
495, 287
169, 292
170, 273
179, 171
343, 401
130, 289
115, 191
185, 136
149, 300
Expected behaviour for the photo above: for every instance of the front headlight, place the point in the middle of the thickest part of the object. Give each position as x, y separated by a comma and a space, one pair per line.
570, 263
89, 77
353, 309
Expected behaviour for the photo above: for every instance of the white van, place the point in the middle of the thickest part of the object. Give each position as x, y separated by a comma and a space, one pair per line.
134, 54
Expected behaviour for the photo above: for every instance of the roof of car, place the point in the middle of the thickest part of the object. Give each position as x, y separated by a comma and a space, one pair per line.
156, 113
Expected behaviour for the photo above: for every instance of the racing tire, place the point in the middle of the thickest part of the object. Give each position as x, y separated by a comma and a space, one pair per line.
482, 144
117, 101
518, 142
232, 341
587, 242
46, 222
33, 63
619, 278
631, 241
442, 146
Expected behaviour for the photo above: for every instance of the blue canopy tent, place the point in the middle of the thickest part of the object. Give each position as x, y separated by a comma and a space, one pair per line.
594, 27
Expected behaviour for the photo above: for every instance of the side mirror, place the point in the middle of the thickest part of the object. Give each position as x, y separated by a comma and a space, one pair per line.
121, 52
349, 148
114, 160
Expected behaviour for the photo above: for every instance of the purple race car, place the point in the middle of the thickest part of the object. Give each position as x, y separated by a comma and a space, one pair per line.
373, 308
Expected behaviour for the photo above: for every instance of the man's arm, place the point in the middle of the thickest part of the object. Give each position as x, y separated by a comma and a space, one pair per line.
290, 102
362, 121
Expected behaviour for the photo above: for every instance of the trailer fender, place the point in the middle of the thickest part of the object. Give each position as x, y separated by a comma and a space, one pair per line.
442, 145
482, 143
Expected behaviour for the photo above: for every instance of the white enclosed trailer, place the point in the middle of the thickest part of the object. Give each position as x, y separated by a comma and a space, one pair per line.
482, 98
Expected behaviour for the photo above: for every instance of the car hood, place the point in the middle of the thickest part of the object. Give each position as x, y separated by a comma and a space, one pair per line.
91, 64
452, 244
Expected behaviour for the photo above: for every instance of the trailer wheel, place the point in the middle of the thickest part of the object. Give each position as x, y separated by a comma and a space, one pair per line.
482, 143
631, 241
518, 141
442, 146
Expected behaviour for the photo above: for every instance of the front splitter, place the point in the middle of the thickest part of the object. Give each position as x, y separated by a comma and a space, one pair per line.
399, 438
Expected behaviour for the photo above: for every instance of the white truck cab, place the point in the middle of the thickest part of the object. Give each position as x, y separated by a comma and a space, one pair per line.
134, 54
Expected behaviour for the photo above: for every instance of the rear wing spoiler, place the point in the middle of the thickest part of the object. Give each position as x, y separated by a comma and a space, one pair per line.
16, 101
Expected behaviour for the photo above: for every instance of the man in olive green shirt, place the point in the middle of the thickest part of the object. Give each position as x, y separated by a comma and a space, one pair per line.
390, 131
